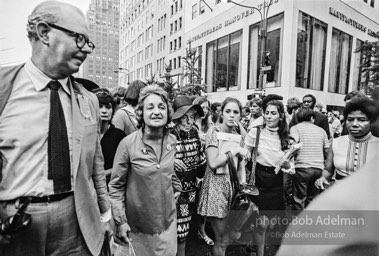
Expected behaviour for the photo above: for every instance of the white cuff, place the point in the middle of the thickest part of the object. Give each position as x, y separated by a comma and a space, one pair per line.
105, 217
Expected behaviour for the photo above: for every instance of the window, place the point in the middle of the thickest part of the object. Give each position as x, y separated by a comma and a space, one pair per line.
340, 57
194, 11
180, 42
179, 62
172, 10
223, 62
372, 3
357, 72
273, 46
180, 23
310, 55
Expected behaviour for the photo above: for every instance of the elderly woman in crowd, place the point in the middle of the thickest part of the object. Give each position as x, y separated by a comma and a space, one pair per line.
349, 153
216, 192
143, 185
189, 163
125, 117
110, 135
272, 142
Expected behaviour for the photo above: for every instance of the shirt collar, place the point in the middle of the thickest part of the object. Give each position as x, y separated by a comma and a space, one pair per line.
40, 80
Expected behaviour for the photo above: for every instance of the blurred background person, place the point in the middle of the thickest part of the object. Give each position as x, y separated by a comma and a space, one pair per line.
321, 120
202, 123
118, 93
245, 117
293, 104
348, 153
143, 186
189, 163
216, 113
125, 118
255, 106
335, 127
110, 136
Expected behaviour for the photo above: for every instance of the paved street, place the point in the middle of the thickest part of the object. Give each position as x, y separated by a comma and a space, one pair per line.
195, 247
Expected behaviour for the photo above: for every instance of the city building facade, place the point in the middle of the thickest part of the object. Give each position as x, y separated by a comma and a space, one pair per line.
103, 21
311, 46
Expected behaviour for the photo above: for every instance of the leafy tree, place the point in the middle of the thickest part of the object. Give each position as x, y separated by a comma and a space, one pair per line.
369, 66
194, 87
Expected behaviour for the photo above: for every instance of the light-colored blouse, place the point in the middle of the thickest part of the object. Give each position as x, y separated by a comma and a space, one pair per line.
269, 146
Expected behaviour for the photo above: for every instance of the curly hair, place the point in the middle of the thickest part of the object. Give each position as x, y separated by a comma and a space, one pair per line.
105, 97
364, 104
283, 127
49, 12
147, 91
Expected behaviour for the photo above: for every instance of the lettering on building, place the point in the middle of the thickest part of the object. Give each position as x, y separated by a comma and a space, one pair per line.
347, 20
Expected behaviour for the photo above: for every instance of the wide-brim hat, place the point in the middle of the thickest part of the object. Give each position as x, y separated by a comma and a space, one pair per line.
182, 104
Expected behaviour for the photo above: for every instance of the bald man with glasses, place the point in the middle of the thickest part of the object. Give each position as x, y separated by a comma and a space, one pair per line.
50, 144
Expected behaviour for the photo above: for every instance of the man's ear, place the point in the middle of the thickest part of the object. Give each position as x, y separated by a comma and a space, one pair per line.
42, 30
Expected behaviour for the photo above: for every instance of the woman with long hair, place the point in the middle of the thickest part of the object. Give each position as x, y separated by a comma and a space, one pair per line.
216, 192
272, 142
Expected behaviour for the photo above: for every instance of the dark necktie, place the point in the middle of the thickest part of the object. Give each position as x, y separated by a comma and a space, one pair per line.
58, 150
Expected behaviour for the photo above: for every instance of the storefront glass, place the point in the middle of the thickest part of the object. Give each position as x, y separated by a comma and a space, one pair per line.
357, 69
310, 54
274, 28
340, 58
223, 63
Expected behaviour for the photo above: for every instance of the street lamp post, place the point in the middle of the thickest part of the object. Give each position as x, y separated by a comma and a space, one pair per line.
123, 71
263, 65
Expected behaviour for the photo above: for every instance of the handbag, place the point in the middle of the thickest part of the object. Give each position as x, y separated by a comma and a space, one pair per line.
242, 206
106, 248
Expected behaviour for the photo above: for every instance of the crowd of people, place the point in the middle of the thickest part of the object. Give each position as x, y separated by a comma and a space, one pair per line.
131, 165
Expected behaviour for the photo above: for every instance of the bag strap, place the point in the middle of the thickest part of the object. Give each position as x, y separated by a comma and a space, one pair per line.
233, 174
130, 120
251, 179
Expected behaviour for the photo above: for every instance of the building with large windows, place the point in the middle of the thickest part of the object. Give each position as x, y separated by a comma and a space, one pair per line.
311, 44
143, 39
103, 20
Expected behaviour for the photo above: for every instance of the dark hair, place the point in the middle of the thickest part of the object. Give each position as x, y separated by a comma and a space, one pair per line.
283, 127
105, 97
228, 100
133, 91
147, 91
313, 99
257, 101
215, 105
305, 114
364, 104
205, 119
246, 109
352, 94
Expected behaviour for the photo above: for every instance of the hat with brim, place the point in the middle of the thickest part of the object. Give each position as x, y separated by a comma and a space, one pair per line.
182, 104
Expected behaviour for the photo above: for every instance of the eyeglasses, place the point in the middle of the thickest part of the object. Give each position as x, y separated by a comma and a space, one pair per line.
80, 39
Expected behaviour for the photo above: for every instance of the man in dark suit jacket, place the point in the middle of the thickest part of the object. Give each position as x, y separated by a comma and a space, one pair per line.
70, 220
321, 120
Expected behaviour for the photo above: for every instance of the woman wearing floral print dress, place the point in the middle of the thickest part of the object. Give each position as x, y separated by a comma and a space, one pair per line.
216, 192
